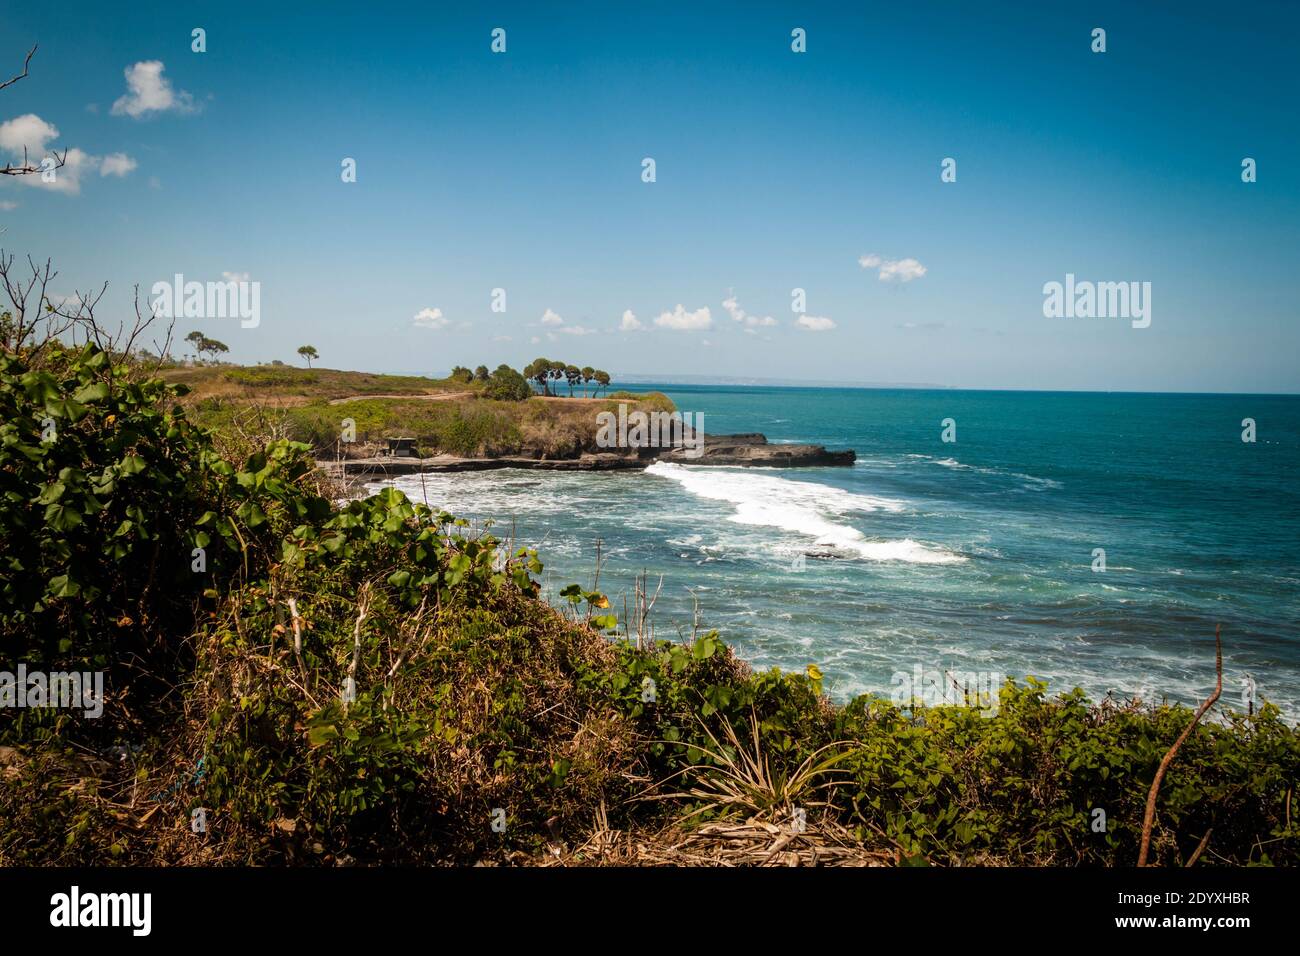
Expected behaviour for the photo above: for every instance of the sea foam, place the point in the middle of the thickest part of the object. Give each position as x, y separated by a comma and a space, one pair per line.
805, 508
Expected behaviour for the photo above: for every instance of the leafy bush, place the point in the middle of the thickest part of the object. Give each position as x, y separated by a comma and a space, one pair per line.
507, 385
101, 479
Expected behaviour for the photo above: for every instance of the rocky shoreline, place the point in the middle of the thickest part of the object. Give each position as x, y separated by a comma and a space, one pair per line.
749, 450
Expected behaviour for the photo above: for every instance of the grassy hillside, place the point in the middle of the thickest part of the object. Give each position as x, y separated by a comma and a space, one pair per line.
286, 385
444, 415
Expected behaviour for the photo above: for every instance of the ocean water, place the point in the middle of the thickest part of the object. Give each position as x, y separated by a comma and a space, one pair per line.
975, 555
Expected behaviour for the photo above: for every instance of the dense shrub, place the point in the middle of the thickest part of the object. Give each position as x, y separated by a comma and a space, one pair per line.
101, 479
507, 385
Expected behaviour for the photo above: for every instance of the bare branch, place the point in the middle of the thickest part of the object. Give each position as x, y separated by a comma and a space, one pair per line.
23, 74
1149, 818
26, 168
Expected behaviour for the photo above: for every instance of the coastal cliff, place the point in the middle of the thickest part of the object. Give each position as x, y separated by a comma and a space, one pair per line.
749, 450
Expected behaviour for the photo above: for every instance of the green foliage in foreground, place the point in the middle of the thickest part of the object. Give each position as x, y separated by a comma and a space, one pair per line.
371, 682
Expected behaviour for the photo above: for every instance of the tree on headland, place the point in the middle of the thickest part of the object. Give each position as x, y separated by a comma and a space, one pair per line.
481, 373
507, 385
214, 348
204, 345
539, 371
543, 371
308, 352
461, 374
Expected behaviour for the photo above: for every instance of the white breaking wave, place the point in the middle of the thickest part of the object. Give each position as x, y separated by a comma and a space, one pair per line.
955, 464
804, 508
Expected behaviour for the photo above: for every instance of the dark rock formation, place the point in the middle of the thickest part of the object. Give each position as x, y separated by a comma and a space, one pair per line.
749, 450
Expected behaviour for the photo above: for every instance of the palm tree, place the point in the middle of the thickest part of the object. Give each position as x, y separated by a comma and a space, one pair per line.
588, 374
308, 352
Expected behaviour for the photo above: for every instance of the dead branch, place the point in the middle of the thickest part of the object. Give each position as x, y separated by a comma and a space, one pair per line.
26, 63
26, 168
1149, 818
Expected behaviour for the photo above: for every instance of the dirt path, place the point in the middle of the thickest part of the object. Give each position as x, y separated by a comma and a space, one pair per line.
435, 397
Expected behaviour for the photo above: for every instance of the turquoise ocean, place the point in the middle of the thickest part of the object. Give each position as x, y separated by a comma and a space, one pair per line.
975, 555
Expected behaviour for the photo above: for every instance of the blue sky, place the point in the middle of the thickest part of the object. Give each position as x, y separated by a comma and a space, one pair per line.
774, 171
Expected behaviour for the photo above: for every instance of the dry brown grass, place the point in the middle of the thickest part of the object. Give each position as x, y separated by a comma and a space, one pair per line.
752, 842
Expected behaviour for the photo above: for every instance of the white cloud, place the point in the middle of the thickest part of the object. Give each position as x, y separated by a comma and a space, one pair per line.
33, 134
814, 323
902, 270
556, 324
8, 205
28, 131
630, 322
534, 340
680, 319
431, 319
740, 315
117, 164
235, 276
502, 338
148, 91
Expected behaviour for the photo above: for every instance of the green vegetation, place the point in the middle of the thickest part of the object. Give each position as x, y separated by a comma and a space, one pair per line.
370, 682
284, 385
471, 429
505, 384
308, 352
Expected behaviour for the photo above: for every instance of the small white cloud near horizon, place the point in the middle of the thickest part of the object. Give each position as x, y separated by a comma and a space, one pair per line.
902, 270
148, 91
814, 323
684, 321
740, 315
431, 319
630, 322
550, 317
